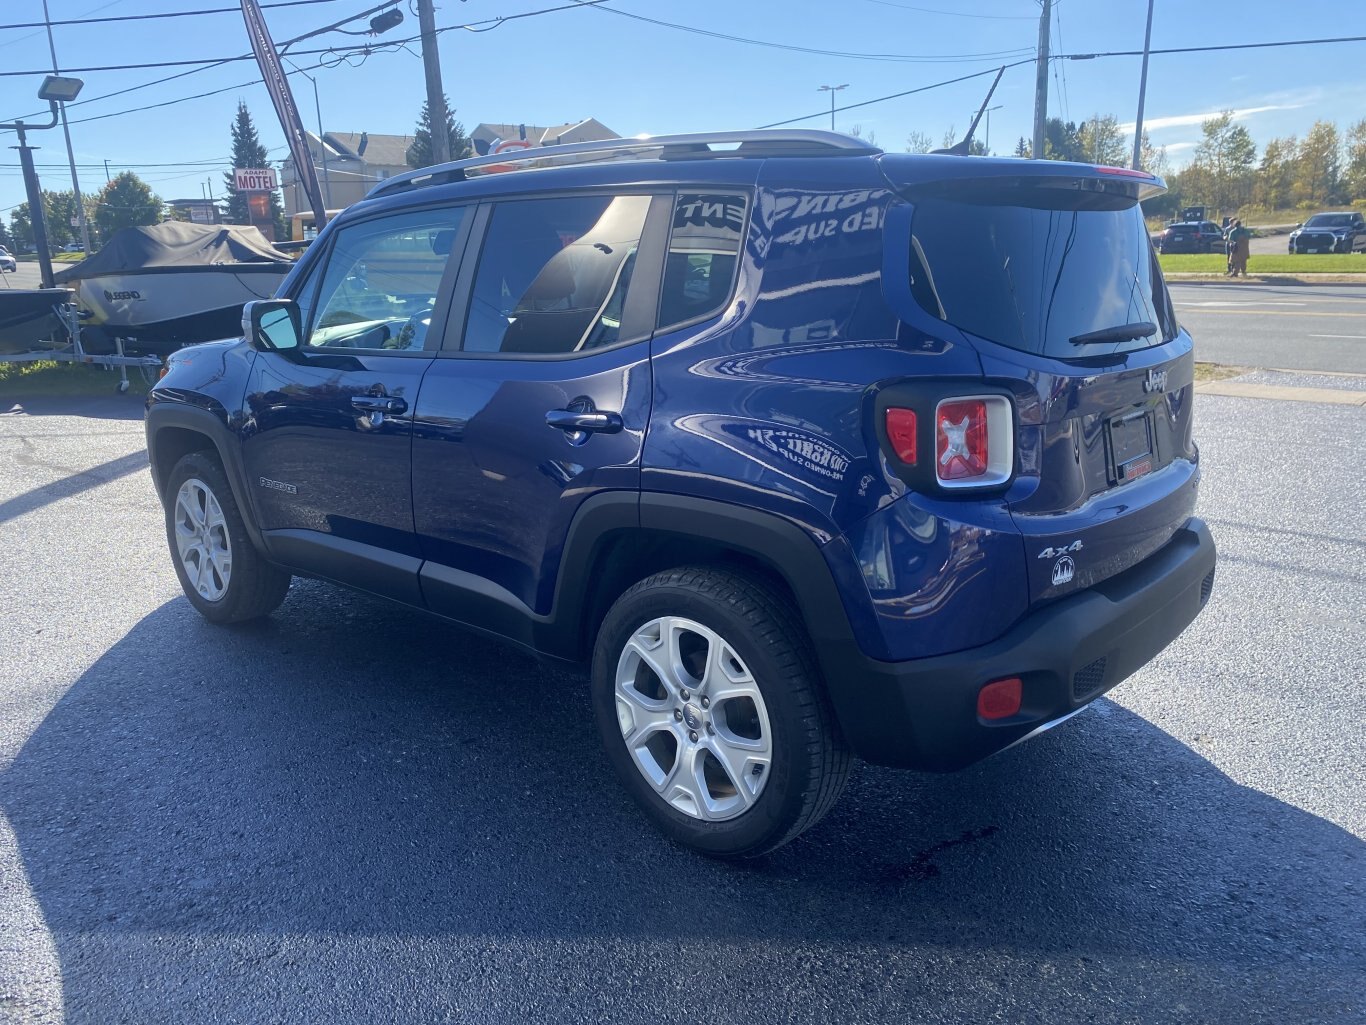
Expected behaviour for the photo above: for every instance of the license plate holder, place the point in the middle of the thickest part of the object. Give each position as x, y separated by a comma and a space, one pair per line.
1129, 444
1313, 249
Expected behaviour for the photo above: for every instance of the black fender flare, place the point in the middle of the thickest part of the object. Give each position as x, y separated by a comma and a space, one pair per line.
782, 546
170, 413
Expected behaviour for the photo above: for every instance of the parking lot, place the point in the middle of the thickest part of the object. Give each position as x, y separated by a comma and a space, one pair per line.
355, 813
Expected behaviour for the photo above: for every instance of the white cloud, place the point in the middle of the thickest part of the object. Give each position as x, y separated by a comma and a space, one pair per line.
1182, 120
1175, 147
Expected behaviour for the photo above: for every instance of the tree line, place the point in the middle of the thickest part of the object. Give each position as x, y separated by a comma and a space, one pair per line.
1325, 168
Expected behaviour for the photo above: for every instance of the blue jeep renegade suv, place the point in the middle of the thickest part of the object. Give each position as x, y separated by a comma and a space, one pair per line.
810, 451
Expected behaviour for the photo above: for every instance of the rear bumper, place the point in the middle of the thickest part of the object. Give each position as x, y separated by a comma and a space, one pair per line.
923, 713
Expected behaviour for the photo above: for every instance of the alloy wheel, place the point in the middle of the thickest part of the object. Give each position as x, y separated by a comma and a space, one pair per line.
202, 543
693, 719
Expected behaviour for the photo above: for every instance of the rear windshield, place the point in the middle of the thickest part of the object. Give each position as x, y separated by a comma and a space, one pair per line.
1034, 270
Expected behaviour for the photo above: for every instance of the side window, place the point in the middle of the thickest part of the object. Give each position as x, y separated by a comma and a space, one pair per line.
381, 281
704, 251
554, 274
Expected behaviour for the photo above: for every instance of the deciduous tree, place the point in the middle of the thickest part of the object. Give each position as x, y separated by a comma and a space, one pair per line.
127, 202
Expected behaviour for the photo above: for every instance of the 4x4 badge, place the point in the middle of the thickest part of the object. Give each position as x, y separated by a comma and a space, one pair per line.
1155, 381
1049, 553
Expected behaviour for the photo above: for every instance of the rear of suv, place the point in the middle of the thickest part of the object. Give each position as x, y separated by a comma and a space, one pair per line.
808, 451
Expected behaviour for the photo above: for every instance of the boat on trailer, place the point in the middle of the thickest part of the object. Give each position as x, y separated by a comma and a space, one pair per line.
167, 285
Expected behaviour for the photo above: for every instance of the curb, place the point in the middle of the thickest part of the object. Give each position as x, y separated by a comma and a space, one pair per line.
1188, 278
1234, 388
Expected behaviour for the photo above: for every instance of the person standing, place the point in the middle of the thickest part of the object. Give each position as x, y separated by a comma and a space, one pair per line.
1238, 243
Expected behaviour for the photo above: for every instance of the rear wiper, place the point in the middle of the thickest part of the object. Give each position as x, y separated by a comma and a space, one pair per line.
1118, 333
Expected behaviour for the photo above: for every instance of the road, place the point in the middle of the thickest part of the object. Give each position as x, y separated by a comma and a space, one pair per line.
1298, 327
354, 813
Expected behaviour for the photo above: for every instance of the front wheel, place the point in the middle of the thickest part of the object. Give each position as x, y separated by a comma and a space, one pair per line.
222, 574
708, 700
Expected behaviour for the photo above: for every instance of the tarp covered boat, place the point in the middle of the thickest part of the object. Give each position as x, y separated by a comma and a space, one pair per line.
172, 284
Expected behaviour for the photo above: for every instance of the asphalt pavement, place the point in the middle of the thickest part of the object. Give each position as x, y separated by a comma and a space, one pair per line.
1254, 324
355, 813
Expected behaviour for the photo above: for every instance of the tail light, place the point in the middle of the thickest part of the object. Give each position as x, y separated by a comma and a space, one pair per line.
974, 441
1000, 699
901, 425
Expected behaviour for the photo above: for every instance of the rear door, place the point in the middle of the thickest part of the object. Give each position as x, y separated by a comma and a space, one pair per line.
539, 400
1062, 298
329, 430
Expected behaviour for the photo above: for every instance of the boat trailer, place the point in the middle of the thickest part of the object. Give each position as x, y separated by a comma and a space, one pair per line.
70, 351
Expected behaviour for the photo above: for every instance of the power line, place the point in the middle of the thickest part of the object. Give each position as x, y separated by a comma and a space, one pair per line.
1210, 49
151, 17
955, 14
894, 96
900, 58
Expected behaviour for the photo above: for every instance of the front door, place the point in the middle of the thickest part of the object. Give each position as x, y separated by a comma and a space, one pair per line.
540, 400
328, 445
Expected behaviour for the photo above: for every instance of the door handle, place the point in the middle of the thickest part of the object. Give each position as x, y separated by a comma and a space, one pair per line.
380, 404
576, 420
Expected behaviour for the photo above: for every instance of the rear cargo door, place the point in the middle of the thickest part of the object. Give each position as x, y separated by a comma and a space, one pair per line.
1053, 280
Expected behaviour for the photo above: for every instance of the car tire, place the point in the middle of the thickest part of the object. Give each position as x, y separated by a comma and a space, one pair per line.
723, 733
223, 575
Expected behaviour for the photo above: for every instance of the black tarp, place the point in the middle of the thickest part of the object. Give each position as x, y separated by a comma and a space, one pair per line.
175, 244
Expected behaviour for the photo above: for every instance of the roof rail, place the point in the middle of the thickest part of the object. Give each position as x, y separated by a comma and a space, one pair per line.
798, 142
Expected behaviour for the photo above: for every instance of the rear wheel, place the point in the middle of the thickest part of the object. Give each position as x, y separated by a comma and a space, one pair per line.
222, 574
711, 708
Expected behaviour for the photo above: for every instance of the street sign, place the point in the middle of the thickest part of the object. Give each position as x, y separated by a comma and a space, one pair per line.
255, 179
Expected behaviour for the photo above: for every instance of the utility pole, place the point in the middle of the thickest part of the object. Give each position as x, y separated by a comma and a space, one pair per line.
107, 179
1142, 90
70, 154
436, 97
1041, 81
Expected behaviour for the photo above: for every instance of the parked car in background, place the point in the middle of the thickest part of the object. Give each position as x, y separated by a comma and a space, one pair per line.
808, 450
1341, 232
7, 261
1191, 237
73, 247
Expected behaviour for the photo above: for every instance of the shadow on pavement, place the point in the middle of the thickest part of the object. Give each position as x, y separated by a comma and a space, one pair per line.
99, 407
351, 770
74, 484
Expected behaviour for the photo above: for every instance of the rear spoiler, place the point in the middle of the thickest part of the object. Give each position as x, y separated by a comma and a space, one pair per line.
911, 171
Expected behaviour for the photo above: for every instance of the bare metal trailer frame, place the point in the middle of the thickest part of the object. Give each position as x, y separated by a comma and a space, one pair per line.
71, 351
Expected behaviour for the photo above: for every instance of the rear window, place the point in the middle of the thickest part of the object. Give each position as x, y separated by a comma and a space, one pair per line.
1034, 269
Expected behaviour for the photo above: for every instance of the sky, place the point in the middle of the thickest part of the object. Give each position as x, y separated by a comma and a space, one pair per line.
637, 77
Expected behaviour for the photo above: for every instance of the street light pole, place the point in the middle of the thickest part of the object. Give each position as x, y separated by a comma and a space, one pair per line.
322, 145
986, 138
1142, 90
832, 89
70, 154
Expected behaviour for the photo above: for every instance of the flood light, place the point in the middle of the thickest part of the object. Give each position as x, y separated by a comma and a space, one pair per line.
60, 88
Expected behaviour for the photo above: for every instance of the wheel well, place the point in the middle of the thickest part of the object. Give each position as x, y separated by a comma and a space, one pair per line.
631, 556
172, 445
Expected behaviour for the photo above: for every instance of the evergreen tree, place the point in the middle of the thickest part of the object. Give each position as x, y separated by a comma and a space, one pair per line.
126, 202
1022, 147
247, 151
420, 152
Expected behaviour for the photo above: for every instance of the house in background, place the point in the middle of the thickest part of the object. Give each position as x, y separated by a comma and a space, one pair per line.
348, 165
590, 129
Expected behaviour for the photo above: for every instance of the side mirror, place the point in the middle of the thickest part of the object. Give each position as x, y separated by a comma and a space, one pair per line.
1300, 225
272, 325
